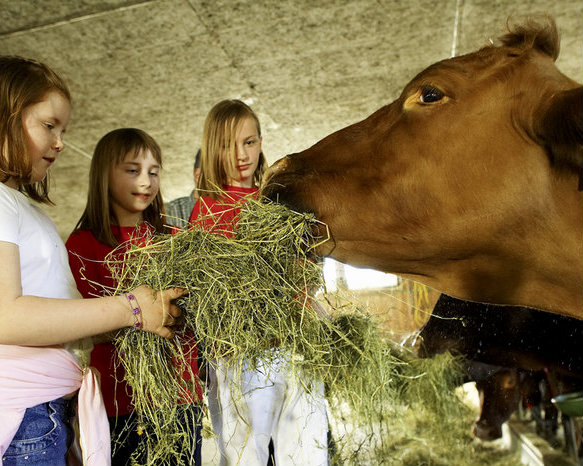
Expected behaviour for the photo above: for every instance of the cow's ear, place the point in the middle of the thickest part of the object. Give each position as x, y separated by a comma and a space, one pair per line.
559, 127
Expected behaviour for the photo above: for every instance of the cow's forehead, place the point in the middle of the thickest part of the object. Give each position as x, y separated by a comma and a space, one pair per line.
488, 68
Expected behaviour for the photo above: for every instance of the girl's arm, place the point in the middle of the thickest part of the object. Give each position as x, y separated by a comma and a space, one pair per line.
34, 321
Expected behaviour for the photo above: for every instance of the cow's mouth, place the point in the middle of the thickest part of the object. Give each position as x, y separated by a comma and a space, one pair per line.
277, 190
487, 432
318, 232
285, 187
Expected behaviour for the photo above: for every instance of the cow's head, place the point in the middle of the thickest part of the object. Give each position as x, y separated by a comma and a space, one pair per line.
446, 182
500, 395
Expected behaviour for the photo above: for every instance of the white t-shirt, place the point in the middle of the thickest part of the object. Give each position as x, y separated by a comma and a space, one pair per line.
44, 264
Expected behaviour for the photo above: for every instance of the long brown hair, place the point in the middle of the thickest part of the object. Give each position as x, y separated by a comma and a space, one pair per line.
23, 83
220, 128
110, 151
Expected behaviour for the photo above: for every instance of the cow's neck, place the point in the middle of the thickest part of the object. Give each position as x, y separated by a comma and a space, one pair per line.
552, 282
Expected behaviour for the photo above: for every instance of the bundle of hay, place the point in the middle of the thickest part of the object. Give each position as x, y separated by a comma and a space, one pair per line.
247, 295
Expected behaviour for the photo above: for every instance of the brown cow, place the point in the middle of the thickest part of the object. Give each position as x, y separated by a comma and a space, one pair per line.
468, 182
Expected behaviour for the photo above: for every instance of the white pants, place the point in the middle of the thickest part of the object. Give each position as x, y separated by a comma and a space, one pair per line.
249, 407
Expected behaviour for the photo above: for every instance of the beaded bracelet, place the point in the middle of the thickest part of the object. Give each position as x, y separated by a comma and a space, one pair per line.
136, 310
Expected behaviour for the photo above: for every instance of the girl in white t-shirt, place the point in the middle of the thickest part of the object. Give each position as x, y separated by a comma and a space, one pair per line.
40, 309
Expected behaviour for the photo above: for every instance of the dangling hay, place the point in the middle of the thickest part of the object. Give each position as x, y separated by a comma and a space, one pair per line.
247, 295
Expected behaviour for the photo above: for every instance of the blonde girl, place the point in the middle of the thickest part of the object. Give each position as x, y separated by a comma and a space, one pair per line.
43, 326
124, 206
268, 402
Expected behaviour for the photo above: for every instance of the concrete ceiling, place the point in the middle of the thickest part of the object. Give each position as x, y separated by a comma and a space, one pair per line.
307, 67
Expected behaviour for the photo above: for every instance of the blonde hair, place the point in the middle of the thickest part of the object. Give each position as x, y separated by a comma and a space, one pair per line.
23, 83
220, 128
110, 151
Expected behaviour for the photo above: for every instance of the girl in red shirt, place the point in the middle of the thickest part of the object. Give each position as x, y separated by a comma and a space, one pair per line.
124, 206
268, 403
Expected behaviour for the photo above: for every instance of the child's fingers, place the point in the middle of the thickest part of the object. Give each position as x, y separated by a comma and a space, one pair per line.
174, 293
168, 296
164, 309
165, 332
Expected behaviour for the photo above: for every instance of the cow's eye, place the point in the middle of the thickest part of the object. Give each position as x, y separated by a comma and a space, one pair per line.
430, 94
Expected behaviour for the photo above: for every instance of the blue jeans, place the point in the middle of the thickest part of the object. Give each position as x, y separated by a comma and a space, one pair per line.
43, 437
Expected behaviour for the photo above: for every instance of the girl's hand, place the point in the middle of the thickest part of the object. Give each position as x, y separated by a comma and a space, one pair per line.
158, 313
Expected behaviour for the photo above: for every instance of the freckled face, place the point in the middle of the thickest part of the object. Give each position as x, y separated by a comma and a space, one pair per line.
44, 125
133, 186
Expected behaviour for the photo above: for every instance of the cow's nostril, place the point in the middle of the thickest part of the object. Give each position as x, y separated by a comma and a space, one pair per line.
485, 431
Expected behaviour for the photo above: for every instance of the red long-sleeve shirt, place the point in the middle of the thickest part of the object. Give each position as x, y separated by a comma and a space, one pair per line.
218, 216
